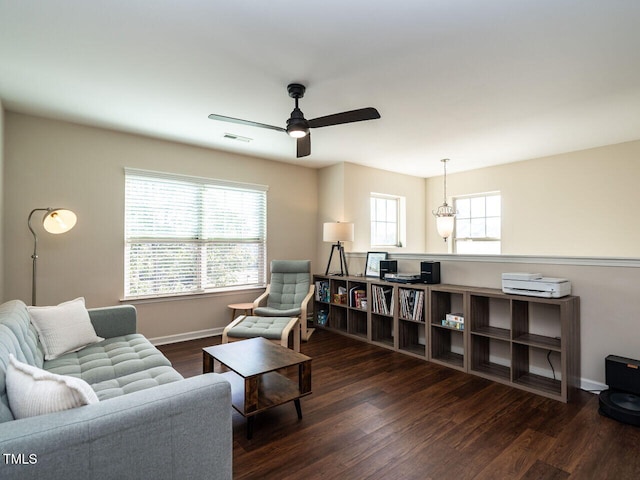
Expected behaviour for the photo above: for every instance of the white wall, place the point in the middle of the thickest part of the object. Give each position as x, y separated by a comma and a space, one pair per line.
344, 191
59, 164
577, 204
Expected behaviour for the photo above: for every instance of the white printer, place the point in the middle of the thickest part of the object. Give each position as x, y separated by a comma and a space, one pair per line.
535, 285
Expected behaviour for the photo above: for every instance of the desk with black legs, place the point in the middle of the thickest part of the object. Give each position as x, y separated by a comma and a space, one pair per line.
260, 375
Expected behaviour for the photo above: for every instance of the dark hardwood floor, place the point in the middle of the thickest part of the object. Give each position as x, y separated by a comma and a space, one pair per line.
377, 414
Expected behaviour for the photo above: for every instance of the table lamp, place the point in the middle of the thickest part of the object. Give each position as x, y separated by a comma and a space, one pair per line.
338, 232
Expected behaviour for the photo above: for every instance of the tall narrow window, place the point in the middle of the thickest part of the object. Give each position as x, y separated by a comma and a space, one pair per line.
478, 224
387, 214
188, 235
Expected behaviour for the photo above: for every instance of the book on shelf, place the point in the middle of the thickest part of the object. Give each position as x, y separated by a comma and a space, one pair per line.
322, 291
322, 317
453, 324
356, 294
454, 320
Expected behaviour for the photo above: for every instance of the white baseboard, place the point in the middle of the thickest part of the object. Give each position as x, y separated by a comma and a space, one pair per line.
183, 337
591, 386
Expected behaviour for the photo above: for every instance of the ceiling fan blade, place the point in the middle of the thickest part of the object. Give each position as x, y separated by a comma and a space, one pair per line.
359, 115
222, 118
303, 146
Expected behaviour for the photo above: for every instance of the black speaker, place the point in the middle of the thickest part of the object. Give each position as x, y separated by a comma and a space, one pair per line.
388, 266
430, 272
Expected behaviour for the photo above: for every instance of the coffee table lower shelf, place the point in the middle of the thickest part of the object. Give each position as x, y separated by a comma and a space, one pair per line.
273, 389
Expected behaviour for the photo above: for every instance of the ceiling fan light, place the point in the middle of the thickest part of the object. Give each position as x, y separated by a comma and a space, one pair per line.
297, 131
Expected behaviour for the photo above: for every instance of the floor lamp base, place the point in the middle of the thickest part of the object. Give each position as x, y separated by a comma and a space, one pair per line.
343, 260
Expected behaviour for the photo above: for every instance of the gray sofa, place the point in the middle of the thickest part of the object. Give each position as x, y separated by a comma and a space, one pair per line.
149, 423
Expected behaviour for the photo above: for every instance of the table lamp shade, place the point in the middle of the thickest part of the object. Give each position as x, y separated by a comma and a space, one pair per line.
337, 232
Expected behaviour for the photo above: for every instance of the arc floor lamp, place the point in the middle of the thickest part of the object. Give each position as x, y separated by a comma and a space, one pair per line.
56, 221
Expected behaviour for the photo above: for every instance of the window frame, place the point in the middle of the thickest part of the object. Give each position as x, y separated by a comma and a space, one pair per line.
400, 208
202, 254
456, 239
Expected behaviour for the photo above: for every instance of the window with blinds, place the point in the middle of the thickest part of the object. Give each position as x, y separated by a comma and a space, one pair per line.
186, 235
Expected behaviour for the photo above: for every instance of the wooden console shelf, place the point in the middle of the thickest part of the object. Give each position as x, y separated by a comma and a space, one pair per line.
529, 343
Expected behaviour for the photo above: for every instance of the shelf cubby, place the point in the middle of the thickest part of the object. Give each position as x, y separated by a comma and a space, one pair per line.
338, 318
412, 304
357, 322
447, 346
382, 329
534, 374
490, 316
491, 358
411, 337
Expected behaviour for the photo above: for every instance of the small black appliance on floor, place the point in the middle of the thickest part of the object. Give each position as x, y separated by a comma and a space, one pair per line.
622, 400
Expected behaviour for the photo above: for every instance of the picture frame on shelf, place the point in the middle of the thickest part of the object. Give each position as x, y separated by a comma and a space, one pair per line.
372, 268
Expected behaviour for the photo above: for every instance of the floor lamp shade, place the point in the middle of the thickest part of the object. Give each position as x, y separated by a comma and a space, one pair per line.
59, 221
338, 232
56, 221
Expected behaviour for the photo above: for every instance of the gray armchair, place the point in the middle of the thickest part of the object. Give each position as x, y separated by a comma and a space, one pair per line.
288, 294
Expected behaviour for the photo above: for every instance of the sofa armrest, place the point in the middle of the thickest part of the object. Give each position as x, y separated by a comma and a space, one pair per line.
177, 430
114, 321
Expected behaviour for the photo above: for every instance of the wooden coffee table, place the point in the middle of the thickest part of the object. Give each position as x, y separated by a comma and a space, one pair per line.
258, 375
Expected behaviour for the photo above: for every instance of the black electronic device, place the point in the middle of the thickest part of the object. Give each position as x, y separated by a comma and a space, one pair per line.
622, 400
388, 266
430, 272
403, 278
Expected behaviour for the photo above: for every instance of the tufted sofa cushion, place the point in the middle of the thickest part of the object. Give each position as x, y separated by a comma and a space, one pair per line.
250, 327
149, 378
112, 359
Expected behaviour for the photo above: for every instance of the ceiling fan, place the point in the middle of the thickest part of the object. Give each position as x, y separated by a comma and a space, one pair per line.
298, 127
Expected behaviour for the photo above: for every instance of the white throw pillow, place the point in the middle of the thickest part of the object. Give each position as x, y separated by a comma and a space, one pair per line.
63, 328
32, 391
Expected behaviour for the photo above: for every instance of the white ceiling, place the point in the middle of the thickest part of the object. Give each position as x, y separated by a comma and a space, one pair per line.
479, 81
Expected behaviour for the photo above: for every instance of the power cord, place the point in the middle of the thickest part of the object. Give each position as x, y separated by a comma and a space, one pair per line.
550, 364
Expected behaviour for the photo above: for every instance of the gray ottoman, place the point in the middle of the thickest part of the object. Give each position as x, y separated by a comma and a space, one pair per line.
276, 329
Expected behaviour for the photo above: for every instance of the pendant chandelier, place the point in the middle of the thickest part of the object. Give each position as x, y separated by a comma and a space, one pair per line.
445, 214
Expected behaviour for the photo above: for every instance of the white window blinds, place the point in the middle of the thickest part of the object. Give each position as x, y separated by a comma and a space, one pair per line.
191, 235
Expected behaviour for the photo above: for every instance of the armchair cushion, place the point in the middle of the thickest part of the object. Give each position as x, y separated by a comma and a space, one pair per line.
277, 312
289, 284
